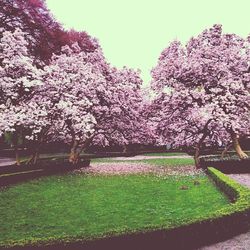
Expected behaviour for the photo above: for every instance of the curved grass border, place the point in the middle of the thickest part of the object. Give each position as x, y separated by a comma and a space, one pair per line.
220, 225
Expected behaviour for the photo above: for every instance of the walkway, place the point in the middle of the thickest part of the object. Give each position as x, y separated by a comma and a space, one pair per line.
6, 161
239, 242
243, 179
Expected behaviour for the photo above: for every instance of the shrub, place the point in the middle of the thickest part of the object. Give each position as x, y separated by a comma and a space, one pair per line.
226, 165
237, 193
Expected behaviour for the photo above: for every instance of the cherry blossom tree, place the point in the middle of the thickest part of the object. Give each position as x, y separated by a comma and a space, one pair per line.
41, 105
114, 99
73, 82
77, 99
123, 124
203, 91
19, 80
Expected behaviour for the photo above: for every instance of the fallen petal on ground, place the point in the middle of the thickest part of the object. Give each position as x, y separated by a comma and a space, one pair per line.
136, 168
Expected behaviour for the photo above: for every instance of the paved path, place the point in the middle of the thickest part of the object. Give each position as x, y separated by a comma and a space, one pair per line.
243, 179
239, 242
6, 161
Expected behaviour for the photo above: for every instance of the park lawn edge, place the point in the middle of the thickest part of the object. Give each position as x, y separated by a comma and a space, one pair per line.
239, 207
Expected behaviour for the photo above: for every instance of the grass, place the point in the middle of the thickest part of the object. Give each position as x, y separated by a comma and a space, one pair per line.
65, 155
155, 162
170, 162
165, 154
71, 207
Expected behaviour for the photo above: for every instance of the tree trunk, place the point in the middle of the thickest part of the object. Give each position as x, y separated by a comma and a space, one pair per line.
125, 149
197, 150
196, 157
237, 147
30, 160
225, 150
18, 163
82, 150
74, 155
36, 157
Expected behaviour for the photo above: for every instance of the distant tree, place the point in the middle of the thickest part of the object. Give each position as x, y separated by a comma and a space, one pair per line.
124, 123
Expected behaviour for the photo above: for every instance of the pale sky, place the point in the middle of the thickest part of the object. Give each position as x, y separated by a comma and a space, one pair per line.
134, 32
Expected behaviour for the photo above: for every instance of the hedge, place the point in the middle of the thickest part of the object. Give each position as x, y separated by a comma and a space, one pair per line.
232, 164
14, 174
239, 195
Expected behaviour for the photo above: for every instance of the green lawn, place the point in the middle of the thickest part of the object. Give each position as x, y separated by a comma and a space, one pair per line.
157, 162
170, 162
165, 154
71, 207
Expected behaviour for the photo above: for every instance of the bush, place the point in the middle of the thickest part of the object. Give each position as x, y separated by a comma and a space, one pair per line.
237, 193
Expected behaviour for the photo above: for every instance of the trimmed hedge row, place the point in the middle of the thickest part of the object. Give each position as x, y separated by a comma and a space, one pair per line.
227, 165
55, 163
237, 193
14, 174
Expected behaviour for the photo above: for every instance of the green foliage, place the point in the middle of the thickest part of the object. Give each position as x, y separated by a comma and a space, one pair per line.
76, 207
